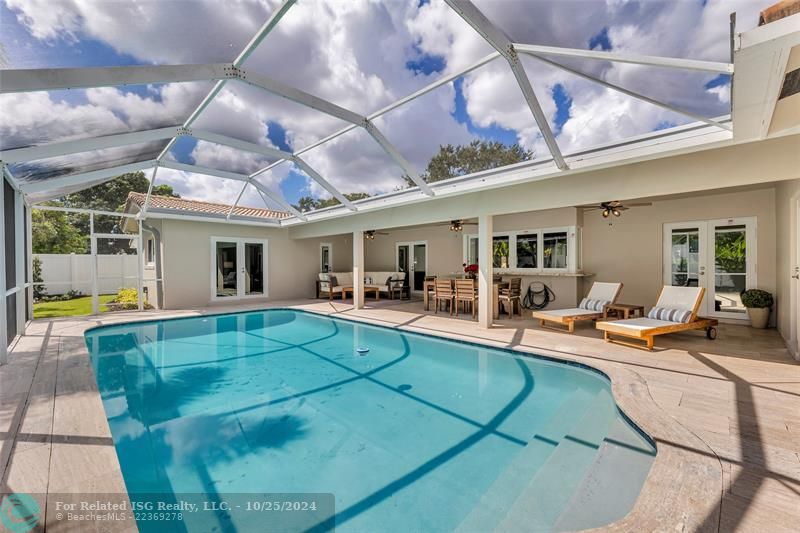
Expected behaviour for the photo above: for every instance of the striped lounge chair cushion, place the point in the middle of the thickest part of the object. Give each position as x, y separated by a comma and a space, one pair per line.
593, 305
670, 315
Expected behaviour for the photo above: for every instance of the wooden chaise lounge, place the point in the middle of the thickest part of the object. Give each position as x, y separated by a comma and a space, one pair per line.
676, 310
590, 308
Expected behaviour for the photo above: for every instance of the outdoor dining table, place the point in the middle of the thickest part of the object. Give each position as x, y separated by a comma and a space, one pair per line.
429, 285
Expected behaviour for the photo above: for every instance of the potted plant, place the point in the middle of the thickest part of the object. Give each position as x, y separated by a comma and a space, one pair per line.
758, 304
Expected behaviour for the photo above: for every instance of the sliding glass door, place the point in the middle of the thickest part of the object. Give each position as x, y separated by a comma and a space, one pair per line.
238, 268
718, 255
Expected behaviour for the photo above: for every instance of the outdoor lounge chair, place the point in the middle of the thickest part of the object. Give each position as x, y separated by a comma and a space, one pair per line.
590, 308
676, 310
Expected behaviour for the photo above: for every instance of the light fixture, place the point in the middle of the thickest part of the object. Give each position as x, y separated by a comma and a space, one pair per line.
616, 212
369, 234
605, 213
456, 225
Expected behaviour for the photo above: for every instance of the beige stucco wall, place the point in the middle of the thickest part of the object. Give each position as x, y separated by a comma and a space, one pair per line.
631, 249
787, 195
292, 265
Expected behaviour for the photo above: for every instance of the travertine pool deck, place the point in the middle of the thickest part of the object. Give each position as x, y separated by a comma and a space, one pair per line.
725, 414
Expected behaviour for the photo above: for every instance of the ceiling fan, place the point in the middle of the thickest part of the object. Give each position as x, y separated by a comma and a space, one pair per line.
614, 207
457, 225
370, 234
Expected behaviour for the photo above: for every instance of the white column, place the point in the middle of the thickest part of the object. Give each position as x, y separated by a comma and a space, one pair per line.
140, 270
485, 307
29, 260
95, 303
19, 257
358, 269
3, 323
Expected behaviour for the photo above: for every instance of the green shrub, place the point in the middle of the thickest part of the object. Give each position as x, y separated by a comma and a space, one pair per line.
756, 298
127, 299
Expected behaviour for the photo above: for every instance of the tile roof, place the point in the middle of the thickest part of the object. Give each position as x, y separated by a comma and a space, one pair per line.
204, 208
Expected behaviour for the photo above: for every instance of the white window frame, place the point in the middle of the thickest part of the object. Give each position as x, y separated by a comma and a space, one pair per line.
572, 249
150, 258
240, 243
329, 245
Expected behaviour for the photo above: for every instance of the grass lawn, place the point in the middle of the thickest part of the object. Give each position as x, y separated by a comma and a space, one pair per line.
75, 307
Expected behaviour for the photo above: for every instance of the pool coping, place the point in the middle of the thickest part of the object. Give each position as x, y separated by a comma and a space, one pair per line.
682, 490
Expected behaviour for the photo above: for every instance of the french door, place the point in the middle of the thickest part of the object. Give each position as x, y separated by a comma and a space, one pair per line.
412, 258
238, 268
718, 255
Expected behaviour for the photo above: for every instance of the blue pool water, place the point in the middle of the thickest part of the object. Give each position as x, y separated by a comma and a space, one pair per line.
416, 434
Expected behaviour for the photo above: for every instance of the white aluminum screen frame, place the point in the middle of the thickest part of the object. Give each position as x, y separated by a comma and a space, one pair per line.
15, 80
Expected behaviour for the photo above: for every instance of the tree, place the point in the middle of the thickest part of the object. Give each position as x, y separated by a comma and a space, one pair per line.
55, 232
453, 161
308, 203
52, 232
111, 196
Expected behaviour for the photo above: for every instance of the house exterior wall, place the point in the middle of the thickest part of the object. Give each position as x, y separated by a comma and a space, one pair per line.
631, 250
787, 196
292, 265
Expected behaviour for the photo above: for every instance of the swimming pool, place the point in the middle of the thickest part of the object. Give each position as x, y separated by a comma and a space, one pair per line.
416, 434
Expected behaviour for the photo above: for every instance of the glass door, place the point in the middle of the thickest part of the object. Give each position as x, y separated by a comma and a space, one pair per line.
253, 269
325, 257
226, 268
420, 268
412, 258
238, 268
718, 255
733, 265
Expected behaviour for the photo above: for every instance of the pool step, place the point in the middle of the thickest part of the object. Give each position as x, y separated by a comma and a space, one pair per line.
497, 500
540, 504
612, 483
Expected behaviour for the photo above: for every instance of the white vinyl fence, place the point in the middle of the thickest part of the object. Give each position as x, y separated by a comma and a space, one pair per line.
64, 272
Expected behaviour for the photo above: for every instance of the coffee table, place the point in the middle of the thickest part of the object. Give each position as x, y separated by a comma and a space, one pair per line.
375, 290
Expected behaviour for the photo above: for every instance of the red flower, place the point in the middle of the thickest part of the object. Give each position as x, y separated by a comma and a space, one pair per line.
471, 268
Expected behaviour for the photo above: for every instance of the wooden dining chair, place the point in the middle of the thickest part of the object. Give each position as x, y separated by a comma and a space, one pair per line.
465, 292
512, 296
431, 292
443, 292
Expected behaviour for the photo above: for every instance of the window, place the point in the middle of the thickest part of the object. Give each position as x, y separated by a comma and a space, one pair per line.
472, 250
554, 246
501, 251
527, 250
150, 252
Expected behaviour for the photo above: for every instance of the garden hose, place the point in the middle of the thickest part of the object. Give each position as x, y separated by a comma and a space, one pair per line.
538, 296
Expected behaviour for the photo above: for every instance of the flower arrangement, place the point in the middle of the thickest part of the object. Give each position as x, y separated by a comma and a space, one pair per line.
470, 270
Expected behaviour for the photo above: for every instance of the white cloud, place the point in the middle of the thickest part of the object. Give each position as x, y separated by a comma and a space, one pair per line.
355, 54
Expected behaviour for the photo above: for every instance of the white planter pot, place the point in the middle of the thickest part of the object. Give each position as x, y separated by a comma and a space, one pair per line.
758, 317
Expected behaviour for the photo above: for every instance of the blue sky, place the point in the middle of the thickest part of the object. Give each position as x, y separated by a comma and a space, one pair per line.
362, 56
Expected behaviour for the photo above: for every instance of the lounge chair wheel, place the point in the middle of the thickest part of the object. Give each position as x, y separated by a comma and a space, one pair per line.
711, 333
